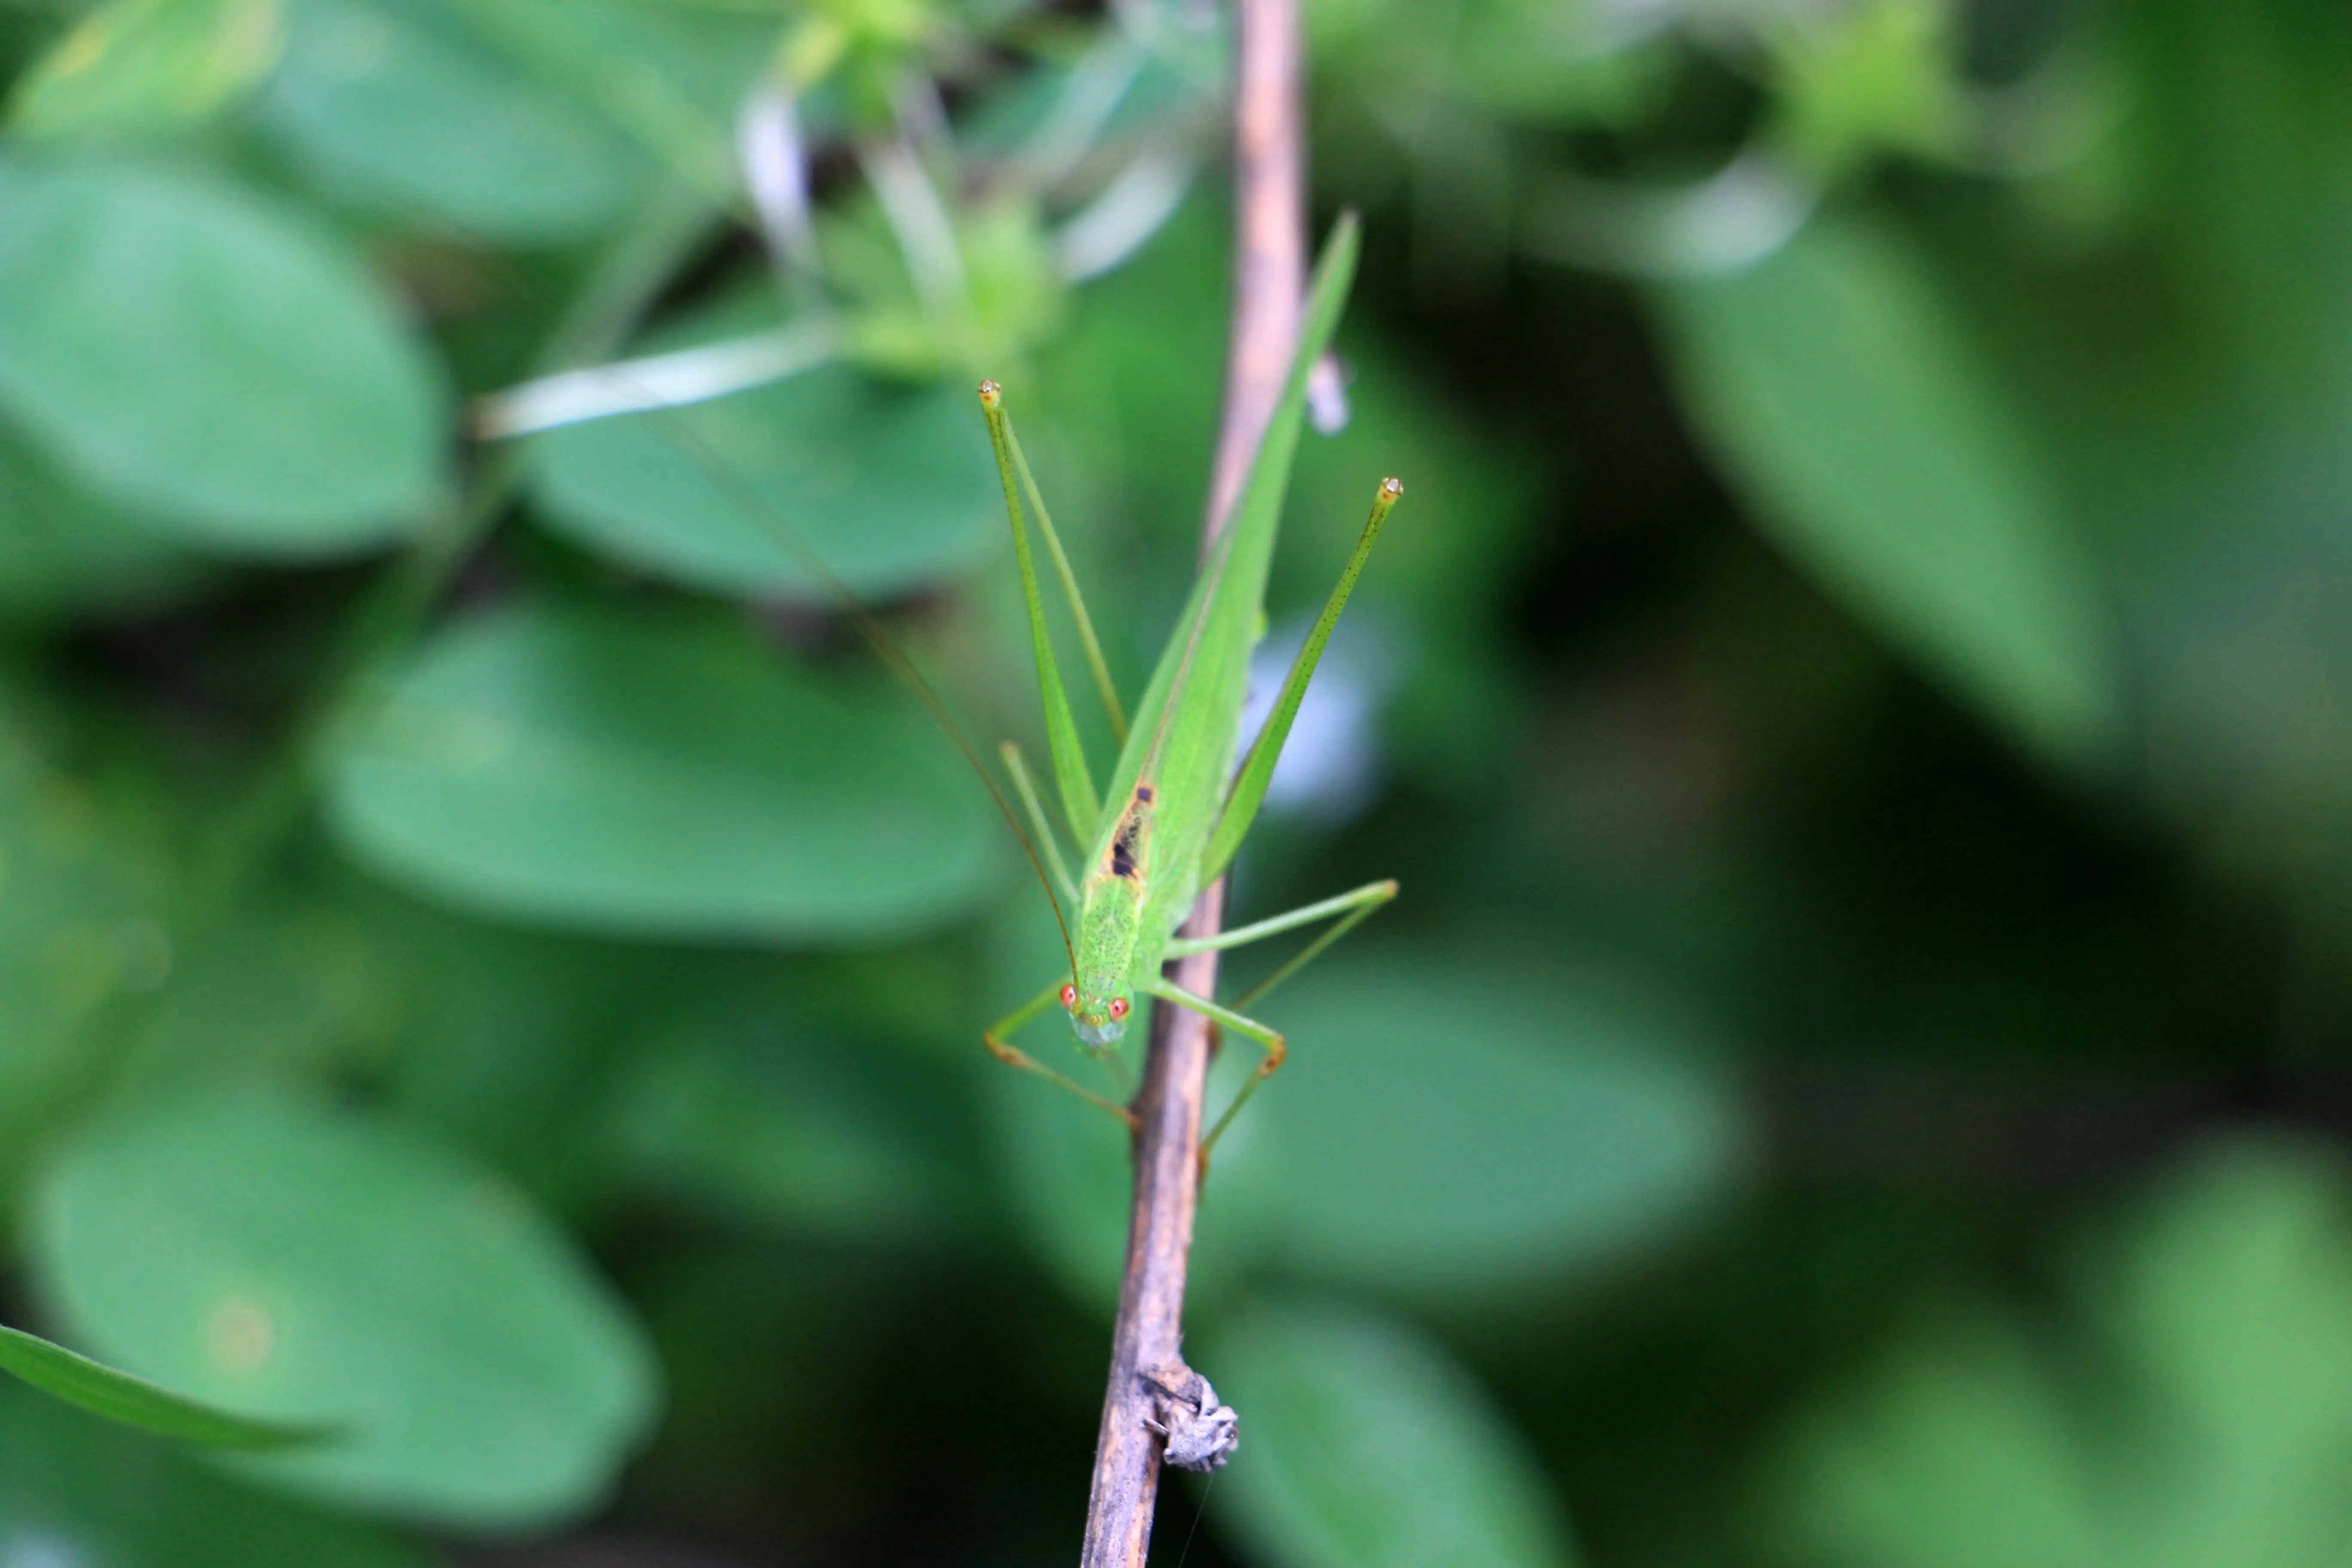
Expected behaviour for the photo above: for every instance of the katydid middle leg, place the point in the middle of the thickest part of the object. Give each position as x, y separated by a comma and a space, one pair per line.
1266, 1037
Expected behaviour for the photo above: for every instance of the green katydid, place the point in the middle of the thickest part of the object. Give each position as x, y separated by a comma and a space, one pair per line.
1176, 810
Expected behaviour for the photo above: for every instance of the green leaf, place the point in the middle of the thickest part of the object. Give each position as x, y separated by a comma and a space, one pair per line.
505, 1039
661, 776
82, 893
1873, 445
61, 550
759, 1119
403, 105
673, 78
186, 347
1065, 1169
890, 487
271, 1254
2197, 1414
146, 69
78, 1493
1363, 1445
1446, 1127
134, 1402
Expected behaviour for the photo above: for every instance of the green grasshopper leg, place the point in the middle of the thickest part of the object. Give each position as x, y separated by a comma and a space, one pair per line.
1249, 786
1047, 843
1353, 906
1012, 1055
1267, 1039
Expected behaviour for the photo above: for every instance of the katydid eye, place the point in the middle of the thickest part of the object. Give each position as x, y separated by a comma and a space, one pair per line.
1070, 996
1119, 1006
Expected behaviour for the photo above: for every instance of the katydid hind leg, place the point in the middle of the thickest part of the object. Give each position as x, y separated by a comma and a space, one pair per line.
1369, 896
1358, 907
1249, 786
1072, 780
1048, 843
1088, 641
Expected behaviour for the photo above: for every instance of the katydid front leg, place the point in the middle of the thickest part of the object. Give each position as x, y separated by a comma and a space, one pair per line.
1352, 907
1012, 1055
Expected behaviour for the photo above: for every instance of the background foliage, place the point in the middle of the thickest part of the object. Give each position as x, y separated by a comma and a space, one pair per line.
1857, 696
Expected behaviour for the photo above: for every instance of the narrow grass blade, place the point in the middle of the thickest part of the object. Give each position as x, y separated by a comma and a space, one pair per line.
134, 1402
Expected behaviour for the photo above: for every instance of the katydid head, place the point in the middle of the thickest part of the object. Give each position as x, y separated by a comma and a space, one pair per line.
1099, 1013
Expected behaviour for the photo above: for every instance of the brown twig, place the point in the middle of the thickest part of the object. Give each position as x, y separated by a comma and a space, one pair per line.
1269, 284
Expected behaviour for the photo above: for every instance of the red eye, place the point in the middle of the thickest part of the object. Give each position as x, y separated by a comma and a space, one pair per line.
1070, 996
1119, 1006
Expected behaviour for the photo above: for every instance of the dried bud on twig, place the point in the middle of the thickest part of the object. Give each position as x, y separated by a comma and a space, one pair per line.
1201, 1432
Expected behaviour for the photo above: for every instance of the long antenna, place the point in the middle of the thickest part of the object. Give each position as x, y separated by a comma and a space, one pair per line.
748, 500
738, 490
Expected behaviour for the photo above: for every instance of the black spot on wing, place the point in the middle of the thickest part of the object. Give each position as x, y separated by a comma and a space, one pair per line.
1127, 845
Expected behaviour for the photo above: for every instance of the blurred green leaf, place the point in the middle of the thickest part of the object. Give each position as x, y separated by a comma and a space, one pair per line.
1363, 1445
134, 70
1551, 62
274, 1255
1442, 1127
506, 1039
293, 980
2245, 143
1010, 293
892, 488
217, 362
402, 104
77, 1493
671, 78
134, 1402
1065, 1168
663, 775
760, 1120
1873, 445
1446, 1126
62, 550
82, 893
2203, 1421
